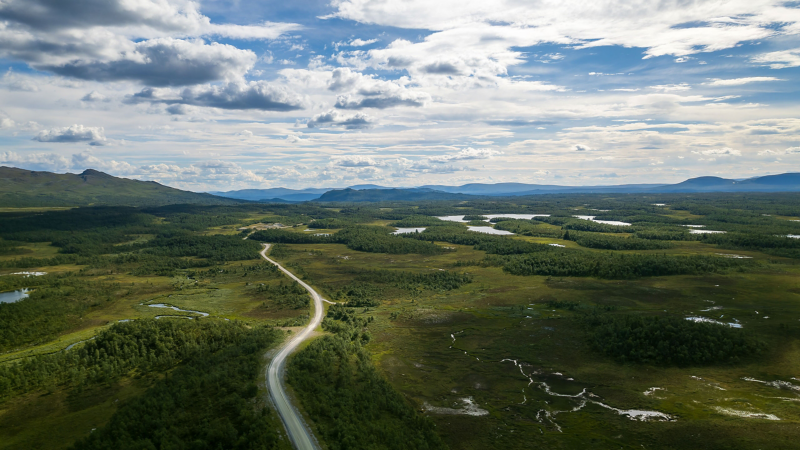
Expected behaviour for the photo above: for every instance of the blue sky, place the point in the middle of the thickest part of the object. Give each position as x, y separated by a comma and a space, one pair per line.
219, 95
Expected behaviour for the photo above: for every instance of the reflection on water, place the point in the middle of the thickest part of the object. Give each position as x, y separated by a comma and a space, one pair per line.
607, 222
409, 230
717, 322
705, 232
174, 308
489, 230
13, 296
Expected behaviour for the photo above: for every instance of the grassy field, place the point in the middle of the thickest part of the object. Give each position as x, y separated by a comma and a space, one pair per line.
495, 342
499, 361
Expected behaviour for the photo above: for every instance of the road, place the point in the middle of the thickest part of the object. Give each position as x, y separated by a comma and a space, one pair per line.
298, 432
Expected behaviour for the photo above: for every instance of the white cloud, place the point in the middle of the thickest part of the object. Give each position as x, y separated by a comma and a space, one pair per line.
355, 161
724, 151
581, 148
154, 41
671, 87
466, 155
74, 133
7, 123
94, 96
662, 28
334, 118
740, 81
780, 59
258, 95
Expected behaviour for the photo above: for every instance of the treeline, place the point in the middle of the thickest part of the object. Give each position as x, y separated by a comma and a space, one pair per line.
369, 286
351, 404
208, 402
370, 239
416, 221
566, 263
53, 308
218, 248
606, 242
668, 341
142, 346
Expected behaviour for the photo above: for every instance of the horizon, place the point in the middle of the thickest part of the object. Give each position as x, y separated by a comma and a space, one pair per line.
238, 94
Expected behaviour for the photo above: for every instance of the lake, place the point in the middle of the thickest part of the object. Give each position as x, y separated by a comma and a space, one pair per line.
13, 296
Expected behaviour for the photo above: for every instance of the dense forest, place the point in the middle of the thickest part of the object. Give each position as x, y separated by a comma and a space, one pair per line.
351, 404
208, 402
660, 340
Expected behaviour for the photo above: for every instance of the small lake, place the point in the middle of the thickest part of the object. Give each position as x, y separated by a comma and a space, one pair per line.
489, 230
607, 222
13, 296
715, 322
705, 232
174, 308
492, 216
408, 230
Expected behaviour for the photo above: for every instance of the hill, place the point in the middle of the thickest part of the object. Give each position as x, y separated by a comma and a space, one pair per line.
274, 194
388, 195
27, 188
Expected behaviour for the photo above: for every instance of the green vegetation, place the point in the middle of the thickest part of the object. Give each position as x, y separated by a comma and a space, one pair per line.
443, 337
669, 340
25, 188
351, 404
205, 403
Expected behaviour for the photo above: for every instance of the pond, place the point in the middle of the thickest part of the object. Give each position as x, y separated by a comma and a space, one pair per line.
607, 222
489, 230
13, 296
408, 230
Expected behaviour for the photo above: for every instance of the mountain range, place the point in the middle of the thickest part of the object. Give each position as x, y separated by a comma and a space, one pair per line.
27, 188
20, 187
787, 182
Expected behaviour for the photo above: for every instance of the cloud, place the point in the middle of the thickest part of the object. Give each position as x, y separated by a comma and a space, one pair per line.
354, 43
7, 123
74, 133
467, 154
355, 161
334, 118
259, 95
724, 151
156, 42
581, 148
661, 28
35, 161
779, 60
671, 87
740, 81
94, 96
164, 62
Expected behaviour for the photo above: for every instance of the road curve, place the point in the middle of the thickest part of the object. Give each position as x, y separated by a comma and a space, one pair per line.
299, 434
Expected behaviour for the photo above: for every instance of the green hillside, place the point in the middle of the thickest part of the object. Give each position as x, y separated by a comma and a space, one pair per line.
26, 188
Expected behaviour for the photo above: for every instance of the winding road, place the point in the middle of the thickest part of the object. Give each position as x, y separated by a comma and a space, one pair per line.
298, 432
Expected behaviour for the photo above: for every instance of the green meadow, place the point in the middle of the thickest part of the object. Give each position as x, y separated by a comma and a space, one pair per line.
568, 333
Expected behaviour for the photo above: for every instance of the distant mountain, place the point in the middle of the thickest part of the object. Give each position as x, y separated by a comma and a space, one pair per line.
19, 187
787, 182
269, 195
388, 195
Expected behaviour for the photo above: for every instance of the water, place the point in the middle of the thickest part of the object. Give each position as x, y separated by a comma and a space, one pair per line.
175, 308
793, 236
13, 296
515, 216
607, 222
706, 232
694, 226
557, 245
409, 230
28, 274
490, 230
716, 322
452, 218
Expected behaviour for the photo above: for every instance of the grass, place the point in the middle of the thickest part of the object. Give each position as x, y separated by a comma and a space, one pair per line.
505, 316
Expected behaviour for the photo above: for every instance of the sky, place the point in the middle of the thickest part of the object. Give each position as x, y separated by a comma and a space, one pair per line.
218, 95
